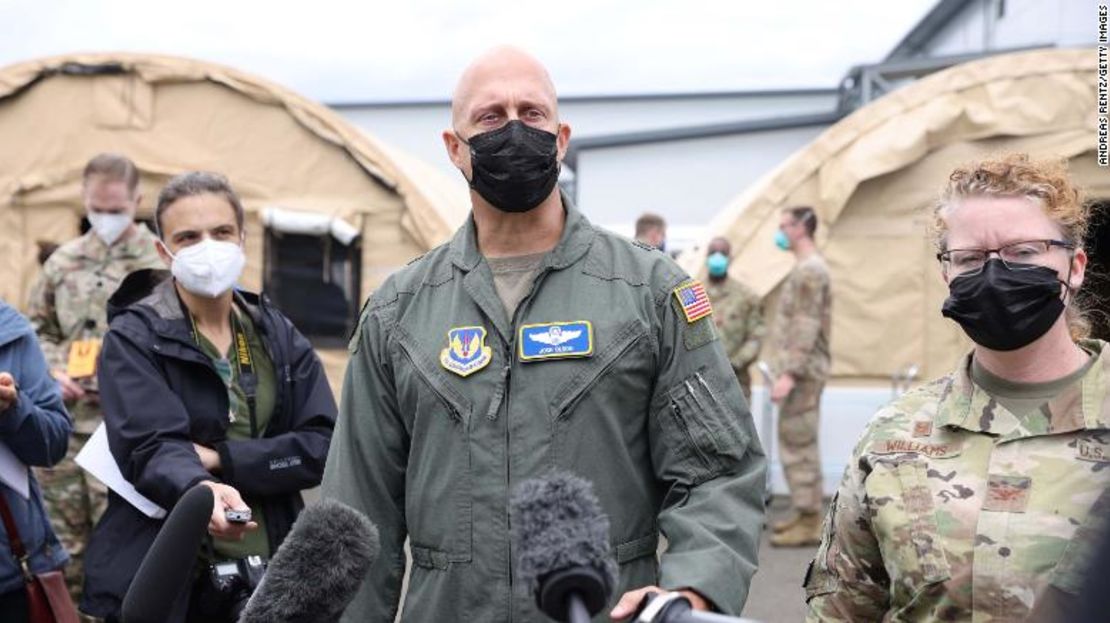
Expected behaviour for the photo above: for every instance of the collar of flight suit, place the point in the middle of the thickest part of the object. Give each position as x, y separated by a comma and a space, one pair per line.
577, 237
1082, 406
575, 241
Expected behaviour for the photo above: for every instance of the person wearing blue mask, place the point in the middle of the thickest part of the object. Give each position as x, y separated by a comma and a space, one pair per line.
800, 359
737, 313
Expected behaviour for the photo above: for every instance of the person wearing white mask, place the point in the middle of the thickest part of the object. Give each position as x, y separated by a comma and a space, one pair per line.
67, 309
204, 383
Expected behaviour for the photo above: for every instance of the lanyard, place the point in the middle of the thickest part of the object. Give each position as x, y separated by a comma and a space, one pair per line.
248, 382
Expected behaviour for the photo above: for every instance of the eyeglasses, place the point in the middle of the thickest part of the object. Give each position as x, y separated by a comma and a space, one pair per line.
1016, 256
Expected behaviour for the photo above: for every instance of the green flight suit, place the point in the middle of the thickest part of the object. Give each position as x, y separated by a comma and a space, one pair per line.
653, 417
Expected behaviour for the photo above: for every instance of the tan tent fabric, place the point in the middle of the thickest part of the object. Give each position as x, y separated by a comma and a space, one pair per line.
873, 177
172, 114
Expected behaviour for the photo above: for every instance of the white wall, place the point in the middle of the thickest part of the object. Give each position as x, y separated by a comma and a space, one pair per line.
416, 128
687, 182
845, 412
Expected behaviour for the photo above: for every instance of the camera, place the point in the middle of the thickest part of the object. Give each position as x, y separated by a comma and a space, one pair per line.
230, 584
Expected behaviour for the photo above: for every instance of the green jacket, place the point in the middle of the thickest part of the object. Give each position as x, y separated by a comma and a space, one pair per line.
653, 417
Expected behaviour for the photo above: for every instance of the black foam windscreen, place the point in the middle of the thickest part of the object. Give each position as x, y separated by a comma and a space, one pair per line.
316, 572
167, 569
561, 542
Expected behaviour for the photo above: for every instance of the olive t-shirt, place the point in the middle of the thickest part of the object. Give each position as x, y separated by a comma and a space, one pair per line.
513, 278
255, 542
1022, 399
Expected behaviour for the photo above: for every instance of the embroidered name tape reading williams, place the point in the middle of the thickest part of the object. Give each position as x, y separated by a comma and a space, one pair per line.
556, 340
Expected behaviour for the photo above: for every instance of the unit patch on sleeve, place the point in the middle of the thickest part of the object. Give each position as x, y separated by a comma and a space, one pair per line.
466, 351
693, 300
556, 340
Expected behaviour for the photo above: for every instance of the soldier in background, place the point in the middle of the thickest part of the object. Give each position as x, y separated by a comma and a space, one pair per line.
651, 230
68, 308
736, 312
801, 361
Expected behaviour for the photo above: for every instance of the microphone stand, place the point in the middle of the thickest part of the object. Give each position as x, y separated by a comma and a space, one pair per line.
572, 595
577, 611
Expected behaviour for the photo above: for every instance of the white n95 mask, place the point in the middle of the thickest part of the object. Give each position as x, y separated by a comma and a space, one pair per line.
109, 227
208, 268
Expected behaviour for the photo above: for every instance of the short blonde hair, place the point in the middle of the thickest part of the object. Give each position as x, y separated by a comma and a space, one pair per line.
1016, 175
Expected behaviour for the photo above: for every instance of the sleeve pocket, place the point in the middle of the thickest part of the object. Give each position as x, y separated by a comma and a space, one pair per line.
819, 579
706, 428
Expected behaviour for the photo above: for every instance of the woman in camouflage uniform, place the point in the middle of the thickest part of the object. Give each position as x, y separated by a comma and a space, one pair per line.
967, 499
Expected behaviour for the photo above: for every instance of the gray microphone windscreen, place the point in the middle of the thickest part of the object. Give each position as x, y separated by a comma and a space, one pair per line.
316, 572
558, 524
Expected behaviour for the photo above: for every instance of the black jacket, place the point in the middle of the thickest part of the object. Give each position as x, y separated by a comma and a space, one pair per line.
160, 394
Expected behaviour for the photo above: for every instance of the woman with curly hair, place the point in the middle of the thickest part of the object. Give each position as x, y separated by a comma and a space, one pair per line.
969, 497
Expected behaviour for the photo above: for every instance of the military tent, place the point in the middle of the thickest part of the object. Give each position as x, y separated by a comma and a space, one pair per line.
331, 211
873, 178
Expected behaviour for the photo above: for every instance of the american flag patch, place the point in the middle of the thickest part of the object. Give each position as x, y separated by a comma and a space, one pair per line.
693, 300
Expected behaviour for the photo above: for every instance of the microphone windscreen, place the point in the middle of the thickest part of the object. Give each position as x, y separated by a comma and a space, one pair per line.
316, 572
558, 524
167, 569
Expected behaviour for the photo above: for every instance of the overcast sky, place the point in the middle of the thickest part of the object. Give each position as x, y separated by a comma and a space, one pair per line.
346, 51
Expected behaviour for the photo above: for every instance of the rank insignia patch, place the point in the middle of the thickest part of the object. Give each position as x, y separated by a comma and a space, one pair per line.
693, 300
466, 351
1008, 494
556, 340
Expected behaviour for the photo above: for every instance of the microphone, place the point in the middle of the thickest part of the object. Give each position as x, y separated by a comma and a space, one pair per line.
672, 607
166, 570
316, 572
561, 540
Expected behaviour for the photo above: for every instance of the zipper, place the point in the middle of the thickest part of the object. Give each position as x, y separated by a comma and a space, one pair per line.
283, 400
499, 394
676, 411
452, 410
203, 361
506, 385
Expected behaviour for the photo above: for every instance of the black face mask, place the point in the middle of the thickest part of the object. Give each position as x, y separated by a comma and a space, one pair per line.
515, 166
1005, 309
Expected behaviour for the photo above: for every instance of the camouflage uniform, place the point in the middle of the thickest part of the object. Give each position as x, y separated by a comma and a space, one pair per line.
801, 349
954, 509
737, 313
69, 302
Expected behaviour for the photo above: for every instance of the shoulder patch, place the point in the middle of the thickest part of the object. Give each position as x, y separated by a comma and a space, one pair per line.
697, 333
693, 300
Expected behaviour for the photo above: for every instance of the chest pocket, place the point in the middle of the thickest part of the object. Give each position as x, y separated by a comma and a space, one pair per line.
1071, 572
438, 478
908, 532
593, 370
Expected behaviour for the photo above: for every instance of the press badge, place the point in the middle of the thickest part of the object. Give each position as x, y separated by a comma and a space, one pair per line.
556, 340
82, 358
